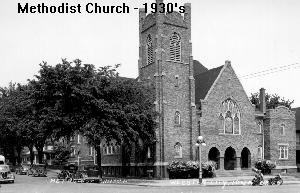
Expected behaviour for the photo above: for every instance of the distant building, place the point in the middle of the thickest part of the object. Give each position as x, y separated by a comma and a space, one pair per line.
297, 110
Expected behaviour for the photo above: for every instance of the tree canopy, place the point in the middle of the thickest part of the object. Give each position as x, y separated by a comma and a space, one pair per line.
72, 97
272, 101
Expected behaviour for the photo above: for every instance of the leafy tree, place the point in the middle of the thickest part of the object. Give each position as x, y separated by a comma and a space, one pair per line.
272, 101
14, 111
119, 110
61, 152
57, 96
74, 97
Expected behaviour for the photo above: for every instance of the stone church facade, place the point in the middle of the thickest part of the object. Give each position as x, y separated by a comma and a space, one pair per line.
191, 101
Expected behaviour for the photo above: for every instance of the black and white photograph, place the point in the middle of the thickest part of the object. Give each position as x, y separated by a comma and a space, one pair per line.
152, 96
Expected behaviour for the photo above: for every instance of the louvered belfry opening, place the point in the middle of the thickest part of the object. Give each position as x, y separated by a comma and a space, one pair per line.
149, 50
175, 47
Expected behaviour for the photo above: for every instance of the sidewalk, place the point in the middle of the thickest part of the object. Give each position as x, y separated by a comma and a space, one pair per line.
217, 181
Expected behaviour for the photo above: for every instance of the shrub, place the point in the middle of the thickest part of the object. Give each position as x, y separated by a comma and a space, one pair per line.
265, 166
190, 169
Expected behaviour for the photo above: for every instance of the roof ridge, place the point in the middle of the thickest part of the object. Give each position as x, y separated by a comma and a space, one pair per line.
210, 70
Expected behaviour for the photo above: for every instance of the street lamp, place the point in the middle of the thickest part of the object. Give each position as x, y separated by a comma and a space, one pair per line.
200, 142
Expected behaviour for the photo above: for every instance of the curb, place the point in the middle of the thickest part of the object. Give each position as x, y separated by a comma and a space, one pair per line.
221, 184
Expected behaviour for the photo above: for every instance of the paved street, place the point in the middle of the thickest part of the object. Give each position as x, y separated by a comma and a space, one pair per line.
28, 184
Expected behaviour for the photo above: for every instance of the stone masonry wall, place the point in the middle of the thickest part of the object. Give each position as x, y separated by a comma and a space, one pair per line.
228, 86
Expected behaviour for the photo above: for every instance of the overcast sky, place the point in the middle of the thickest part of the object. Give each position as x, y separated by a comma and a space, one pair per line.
256, 35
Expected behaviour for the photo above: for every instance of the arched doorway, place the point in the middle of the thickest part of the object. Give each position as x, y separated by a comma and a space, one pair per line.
229, 159
214, 155
245, 158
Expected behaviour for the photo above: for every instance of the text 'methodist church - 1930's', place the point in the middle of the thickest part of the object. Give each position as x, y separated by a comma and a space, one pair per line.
193, 101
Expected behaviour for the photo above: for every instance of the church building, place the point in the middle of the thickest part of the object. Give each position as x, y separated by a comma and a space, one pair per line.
192, 100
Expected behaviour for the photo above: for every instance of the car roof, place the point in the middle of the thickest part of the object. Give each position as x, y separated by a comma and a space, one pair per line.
4, 166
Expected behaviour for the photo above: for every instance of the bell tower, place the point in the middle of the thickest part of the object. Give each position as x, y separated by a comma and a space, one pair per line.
165, 59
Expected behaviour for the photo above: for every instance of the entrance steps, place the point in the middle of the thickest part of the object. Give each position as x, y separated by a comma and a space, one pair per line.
234, 173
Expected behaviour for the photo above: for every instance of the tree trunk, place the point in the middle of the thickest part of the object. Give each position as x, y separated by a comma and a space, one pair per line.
40, 154
13, 156
19, 150
31, 156
98, 150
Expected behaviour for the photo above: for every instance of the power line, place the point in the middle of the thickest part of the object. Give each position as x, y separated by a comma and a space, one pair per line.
270, 71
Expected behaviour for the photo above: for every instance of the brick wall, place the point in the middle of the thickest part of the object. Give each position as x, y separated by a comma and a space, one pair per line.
276, 118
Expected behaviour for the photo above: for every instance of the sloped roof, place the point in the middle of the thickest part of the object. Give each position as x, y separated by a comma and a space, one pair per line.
198, 68
297, 110
204, 81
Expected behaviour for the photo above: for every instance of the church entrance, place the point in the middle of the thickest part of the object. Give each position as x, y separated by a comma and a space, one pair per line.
245, 158
214, 155
229, 159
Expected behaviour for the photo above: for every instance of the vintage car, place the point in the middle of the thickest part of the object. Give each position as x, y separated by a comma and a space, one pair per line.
6, 175
22, 169
92, 176
87, 174
67, 173
37, 170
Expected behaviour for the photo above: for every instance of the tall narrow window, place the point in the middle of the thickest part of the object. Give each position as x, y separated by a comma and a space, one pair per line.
282, 129
259, 152
221, 123
228, 123
176, 81
298, 138
175, 47
229, 118
177, 118
178, 150
90, 151
283, 152
149, 50
78, 139
148, 153
259, 127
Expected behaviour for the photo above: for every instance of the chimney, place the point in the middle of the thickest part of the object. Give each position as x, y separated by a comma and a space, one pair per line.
262, 100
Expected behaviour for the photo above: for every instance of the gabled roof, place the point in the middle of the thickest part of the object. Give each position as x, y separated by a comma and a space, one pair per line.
198, 68
204, 81
297, 110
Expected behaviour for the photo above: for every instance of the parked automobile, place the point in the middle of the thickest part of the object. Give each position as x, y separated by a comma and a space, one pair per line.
68, 172
22, 169
6, 175
87, 174
91, 174
277, 180
37, 170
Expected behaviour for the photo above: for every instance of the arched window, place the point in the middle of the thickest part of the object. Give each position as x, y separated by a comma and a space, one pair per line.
229, 118
175, 47
149, 48
177, 118
259, 152
104, 150
178, 150
148, 152
221, 123
259, 124
228, 123
176, 81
